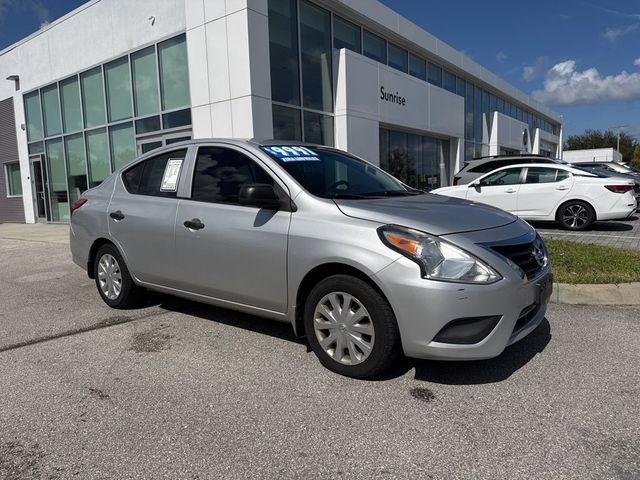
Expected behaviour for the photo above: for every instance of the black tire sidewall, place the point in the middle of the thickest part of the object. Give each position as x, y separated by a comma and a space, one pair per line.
591, 215
129, 289
386, 344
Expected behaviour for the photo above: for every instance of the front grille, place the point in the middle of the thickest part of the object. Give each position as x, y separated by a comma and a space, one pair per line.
522, 255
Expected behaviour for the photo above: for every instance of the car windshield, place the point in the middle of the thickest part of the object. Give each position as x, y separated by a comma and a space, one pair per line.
329, 173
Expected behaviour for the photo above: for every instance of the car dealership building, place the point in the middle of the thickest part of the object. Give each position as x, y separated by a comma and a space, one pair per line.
116, 78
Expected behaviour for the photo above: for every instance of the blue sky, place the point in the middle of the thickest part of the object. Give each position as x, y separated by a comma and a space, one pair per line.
575, 55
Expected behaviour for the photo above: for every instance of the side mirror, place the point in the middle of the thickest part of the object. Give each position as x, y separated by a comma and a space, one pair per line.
259, 195
475, 184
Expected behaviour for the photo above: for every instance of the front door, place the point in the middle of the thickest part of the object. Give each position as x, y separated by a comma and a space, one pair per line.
498, 189
39, 189
235, 252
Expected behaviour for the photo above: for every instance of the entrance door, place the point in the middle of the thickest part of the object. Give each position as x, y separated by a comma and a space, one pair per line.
39, 189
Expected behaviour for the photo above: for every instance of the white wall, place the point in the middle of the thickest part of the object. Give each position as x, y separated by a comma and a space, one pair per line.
94, 33
360, 110
592, 155
228, 48
507, 132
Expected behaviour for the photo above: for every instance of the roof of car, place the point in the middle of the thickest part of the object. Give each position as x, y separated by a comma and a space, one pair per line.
563, 166
509, 157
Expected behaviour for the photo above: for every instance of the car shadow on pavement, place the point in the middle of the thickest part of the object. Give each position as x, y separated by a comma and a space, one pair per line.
493, 370
596, 227
228, 317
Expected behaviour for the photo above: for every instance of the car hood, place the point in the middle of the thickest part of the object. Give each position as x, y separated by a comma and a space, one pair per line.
434, 214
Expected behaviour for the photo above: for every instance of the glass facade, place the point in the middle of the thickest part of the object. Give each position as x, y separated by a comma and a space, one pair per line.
419, 161
89, 121
302, 33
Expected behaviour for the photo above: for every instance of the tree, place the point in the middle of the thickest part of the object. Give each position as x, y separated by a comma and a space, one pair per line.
603, 139
635, 161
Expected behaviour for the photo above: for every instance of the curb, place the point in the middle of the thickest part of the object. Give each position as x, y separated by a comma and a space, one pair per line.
602, 294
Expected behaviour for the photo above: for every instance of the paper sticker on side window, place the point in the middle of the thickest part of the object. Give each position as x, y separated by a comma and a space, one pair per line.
288, 153
171, 175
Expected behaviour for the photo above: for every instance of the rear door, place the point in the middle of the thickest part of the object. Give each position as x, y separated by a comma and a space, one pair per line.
237, 253
142, 215
498, 189
544, 188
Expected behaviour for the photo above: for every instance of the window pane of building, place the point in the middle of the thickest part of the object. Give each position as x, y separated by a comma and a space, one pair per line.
92, 97
118, 85
449, 81
435, 75
286, 123
14, 184
318, 128
418, 67
315, 47
374, 47
346, 35
98, 156
461, 86
123, 145
477, 119
77, 180
145, 81
70, 99
283, 51
33, 117
180, 118
57, 181
398, 58
468, 112
37, 147
149, 124
174, 73
500, 105
51, 110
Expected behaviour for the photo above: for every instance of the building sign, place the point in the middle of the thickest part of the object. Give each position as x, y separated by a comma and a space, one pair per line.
392, 97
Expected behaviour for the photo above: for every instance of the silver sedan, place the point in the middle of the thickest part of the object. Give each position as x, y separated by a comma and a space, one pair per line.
364, 266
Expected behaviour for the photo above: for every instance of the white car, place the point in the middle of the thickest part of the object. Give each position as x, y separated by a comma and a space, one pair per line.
572, 197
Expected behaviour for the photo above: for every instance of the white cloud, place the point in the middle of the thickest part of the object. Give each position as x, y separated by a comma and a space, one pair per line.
612, 34
564, 85
636, 62
37, 7
537, 70
501, 56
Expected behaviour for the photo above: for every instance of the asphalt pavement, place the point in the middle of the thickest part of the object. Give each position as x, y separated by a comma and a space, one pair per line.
180, 390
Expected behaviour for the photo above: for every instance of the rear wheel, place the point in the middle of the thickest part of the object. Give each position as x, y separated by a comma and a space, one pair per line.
575, 215
351, 327
115, 285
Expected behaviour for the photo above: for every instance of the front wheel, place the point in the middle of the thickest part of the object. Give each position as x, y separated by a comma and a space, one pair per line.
115, 285
351, 327
575, 215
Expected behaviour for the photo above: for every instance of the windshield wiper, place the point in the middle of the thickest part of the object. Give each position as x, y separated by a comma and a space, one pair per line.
344, 196
393, 193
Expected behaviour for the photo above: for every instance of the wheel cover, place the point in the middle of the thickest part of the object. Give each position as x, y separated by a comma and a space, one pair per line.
109, 276
344, 328
575, 216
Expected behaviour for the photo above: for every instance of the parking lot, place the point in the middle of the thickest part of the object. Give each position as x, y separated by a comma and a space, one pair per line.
180, 390
617, 234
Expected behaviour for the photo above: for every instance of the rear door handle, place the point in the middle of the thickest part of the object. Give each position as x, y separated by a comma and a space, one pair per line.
194, 224
511, 190
562, 188
117, 215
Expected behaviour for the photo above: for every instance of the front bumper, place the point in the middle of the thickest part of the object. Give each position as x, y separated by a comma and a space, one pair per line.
424, 307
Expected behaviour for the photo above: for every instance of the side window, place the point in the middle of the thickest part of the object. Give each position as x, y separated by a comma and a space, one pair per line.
146, 178
221, 172
562, 175
541, 175
510, 176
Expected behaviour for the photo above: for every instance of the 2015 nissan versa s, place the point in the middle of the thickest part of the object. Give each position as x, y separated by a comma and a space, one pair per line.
363, 265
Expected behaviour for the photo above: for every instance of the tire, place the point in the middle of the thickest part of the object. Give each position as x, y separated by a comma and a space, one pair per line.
575, 215
128, 293
375, 326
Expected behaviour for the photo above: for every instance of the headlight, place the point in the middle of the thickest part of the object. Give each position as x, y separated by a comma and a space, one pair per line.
438, 259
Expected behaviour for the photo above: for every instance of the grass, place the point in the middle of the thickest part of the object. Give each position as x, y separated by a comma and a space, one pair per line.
578, 263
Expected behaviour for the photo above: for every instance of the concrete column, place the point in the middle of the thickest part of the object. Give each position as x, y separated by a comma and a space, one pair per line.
23, 155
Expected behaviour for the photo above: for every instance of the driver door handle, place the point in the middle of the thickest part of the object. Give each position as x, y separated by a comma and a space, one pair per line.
510, 190
194, 224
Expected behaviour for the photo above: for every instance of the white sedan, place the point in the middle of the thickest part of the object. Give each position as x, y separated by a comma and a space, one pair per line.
572, 197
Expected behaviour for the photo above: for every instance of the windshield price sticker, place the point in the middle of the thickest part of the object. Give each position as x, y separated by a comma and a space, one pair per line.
293, 154
171, 175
